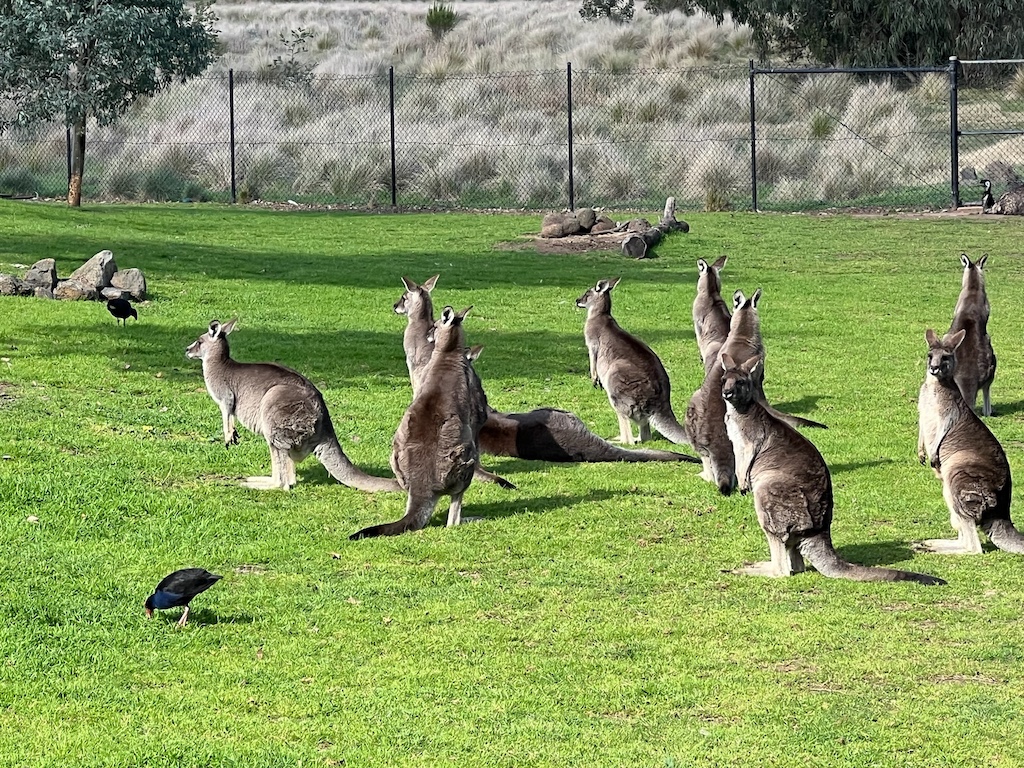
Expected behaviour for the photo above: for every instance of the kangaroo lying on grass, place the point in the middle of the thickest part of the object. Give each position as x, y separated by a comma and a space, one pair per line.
544, 434
628, 370
435, 452
745, 343
964, 453
283, 406
975, 360
791, 484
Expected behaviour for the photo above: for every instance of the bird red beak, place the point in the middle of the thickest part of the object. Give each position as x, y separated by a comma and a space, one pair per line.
149, 613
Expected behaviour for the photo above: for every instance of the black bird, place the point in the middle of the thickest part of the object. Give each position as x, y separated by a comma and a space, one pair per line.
122, 309
178, 589
987, 201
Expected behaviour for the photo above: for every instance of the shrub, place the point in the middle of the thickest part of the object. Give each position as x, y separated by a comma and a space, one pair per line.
619, 11
822, 126
442, 19
19, 181
163, 184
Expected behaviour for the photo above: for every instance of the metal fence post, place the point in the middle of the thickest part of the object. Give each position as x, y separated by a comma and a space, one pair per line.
231, 132
753, 143
954, 133
568, 101
391, 109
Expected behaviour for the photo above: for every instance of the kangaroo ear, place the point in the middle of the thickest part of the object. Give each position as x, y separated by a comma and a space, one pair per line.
428, 286
720, 263
755, 298
727, 361
473, 353
957, 338
702, 266
981, 261
738, 299
409, 284
931, 338
613, 282
229, 326
462, 315
214, 328
752, 365
447, 316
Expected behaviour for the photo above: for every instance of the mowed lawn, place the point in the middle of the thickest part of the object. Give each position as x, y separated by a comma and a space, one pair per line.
590, 618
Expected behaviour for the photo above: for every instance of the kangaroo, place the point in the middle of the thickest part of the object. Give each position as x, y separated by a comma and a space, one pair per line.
418, 308
975, 360
745, 343
791, 484
628, 370
435, 452
280, 404
965, 455
710, 312
705, 424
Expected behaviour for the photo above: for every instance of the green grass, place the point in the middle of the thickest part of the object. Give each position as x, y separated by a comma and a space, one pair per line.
587, 620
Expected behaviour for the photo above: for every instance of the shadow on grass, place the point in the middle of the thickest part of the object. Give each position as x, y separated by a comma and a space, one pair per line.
800, 407
1002, 409
852, 466
880, 553
202, 617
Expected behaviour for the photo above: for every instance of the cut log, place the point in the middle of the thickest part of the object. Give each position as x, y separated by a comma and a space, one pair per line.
639, 244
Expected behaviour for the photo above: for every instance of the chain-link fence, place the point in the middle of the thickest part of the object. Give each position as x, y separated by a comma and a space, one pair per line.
715, 138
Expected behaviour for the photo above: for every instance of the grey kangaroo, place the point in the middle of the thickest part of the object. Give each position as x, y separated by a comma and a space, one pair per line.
965, 454
745, 343
710, 312
544, 434
280, 404
628, 370
975, 360
791, 484
705, 424
435, 452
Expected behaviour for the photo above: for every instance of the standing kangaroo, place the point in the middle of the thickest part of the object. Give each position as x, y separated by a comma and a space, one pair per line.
705, 424
791, 484
710, 312
280, 404
745, 343
435, 452
544, 434
965, 454
975, 360
628, 370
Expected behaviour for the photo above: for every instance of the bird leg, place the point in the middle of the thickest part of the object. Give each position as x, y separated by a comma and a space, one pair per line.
184, 617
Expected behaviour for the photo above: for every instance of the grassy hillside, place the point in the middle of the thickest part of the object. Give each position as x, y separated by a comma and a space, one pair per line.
590, 618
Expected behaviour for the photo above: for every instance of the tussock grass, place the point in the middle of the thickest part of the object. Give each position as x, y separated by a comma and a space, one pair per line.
588, 617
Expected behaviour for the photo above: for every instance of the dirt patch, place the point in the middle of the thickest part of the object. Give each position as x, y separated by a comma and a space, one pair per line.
6, 393
606, 241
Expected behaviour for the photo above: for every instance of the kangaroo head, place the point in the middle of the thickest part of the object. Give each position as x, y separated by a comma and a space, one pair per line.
739, 301
415, 302
974, 276
738, 386
447, 333
709, 275
598, 298
942, 353
215, 340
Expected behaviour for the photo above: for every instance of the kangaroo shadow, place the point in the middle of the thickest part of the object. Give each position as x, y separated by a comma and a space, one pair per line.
1002, 409
883, 553
852, 466
495, 510
804, 404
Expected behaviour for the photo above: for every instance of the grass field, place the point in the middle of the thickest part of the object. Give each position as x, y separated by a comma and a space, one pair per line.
588, 620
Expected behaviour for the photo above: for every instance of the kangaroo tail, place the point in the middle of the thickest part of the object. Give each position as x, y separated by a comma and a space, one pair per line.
483, 476
1004, 535
823, 556
345, 472
417, 515
793, 421
670, 428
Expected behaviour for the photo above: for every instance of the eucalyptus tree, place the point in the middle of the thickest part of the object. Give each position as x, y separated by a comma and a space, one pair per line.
70, 60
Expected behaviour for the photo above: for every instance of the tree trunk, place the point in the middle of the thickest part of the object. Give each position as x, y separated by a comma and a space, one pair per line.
77, 162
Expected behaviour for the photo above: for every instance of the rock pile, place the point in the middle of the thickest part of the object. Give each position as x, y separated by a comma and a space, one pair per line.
582, 221
98, 279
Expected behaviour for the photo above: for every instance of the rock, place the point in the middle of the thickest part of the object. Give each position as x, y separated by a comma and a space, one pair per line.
603, 224
110, 292
586, 218
43, 293
9, 285
132, 281
638, 225
42, 274
559, 225
96, 272
72, 290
